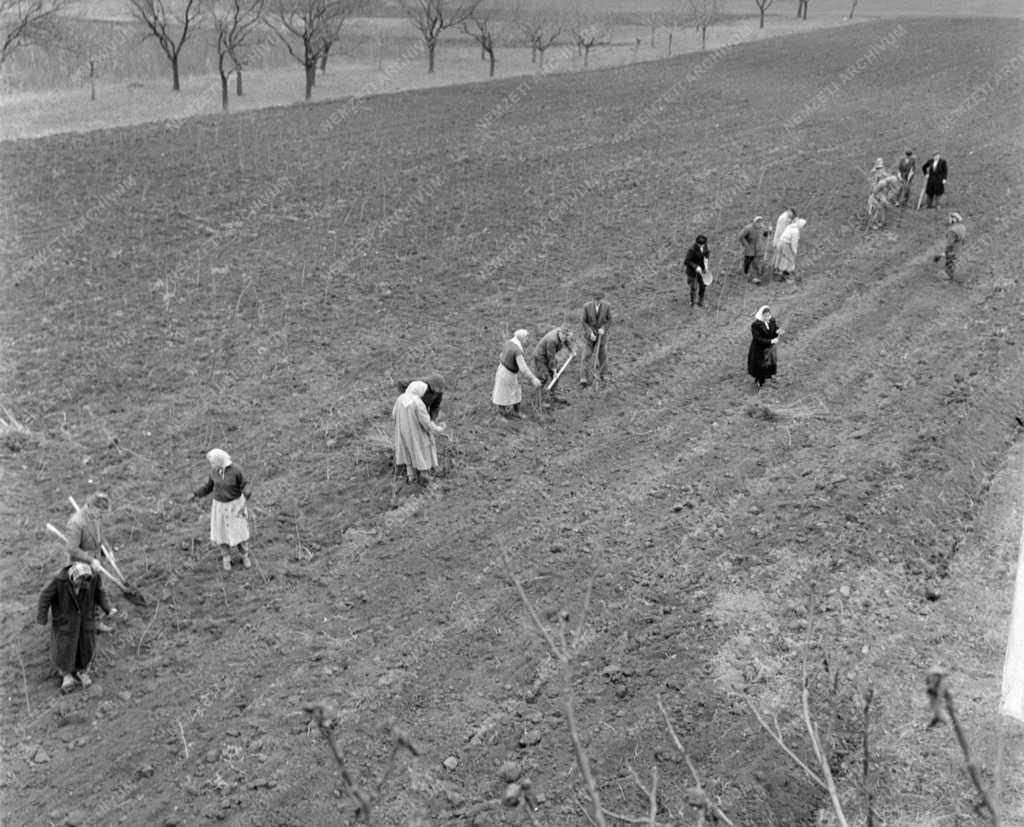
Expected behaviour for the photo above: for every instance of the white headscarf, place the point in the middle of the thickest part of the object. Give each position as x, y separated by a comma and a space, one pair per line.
791, 235
413, 394
759, 315
219, 459
520, 336
781, 224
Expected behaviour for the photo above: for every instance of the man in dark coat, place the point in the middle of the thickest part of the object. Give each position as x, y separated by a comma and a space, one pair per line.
72, 597
545, 358
597, 318
935, 171
696, 266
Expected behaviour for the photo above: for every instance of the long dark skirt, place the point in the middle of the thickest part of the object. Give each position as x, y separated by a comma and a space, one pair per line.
761, 362
72, 646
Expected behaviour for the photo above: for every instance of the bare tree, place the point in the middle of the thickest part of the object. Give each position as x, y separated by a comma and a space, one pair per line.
763, 6
333, 32
84, 45
170, 29
589, 31
432, 17
306, 26
541, 28
801, 9
705, 14
233, 22
484, 29
27, 22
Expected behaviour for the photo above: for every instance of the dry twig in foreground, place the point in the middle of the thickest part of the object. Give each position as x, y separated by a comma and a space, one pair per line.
941, 704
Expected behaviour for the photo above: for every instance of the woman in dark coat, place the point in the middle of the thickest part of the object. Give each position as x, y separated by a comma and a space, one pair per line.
435, 392
761, 360
72, 597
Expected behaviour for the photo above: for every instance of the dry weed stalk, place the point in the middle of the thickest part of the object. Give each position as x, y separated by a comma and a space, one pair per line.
941, 704
321, 714
563, 650
825, 781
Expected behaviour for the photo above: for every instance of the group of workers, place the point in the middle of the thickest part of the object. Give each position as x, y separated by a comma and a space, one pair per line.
75, 597
72, 601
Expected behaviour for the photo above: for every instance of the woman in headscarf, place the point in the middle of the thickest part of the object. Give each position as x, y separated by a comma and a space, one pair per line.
788, 245
229, 521
72, 597
764, 333
434, 394
507, 394
786, 217
415, 446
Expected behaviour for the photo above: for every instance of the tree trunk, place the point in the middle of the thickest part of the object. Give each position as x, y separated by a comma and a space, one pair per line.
853, 8
540, 64
490, 54
431, 45
175, 79
92, 79
586, 57
310, 78
223, 92
703, 38
670, 44
762, 17
654, 26
238, 81
533, 49
323, 58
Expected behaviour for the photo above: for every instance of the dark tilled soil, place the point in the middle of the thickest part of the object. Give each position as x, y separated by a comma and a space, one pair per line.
170, 291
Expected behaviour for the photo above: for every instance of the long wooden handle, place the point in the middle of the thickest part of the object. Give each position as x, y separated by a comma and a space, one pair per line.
561, 370
54, 530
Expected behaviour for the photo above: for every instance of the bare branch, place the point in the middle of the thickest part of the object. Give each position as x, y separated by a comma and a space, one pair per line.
560, 656
26, 22
713, 809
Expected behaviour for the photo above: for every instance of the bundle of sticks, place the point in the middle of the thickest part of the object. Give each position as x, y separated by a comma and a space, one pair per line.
116, 576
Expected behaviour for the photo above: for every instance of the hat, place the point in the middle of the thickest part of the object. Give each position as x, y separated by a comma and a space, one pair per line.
955, 218
598, 293
879, 164
702, 239
910, 152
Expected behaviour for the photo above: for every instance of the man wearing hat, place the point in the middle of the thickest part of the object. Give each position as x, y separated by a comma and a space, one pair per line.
696, 265
597, 317
907, 168
754, 239
956, 235
545, 358
73, 597
84, 533
935, 170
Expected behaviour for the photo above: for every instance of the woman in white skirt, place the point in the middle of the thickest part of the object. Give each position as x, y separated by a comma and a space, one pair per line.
507, 394
229, 521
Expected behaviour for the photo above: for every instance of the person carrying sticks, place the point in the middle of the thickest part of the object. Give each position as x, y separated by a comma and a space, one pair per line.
84, 537
229, 520
597, 318
72, 597
545, 361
